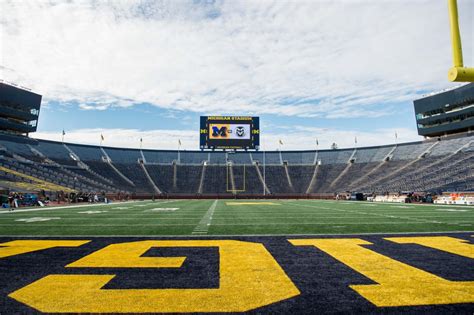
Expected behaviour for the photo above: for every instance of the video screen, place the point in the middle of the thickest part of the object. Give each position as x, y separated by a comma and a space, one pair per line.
229, 132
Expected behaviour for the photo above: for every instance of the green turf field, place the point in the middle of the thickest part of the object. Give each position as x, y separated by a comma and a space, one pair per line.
236, 217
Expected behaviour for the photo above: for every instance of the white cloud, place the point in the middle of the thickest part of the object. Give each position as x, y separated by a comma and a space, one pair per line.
300, 138
328, 59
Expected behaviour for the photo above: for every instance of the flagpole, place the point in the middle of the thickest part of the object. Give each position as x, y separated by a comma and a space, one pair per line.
316, 154
62, 138
179, 153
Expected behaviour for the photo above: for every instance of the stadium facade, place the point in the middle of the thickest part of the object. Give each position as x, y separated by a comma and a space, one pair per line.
446, 113
19, 109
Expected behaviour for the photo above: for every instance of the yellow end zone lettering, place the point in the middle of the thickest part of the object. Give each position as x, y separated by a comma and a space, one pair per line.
25, 246
127, 255
398, 284
444, 243
249, 278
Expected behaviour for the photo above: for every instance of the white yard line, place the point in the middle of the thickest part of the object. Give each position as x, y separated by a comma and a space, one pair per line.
203, 225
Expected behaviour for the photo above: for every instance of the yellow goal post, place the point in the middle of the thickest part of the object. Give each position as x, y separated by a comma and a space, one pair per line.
237, 188
458, 73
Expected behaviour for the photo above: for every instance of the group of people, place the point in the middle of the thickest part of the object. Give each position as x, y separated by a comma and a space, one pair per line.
78, 197
90, 197
13, 200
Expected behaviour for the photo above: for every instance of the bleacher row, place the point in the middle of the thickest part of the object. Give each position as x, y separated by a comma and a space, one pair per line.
434, 165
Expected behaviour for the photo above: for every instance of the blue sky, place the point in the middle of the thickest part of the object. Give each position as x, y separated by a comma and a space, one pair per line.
331, 70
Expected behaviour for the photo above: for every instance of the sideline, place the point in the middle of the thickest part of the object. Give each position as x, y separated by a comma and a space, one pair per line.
79, 206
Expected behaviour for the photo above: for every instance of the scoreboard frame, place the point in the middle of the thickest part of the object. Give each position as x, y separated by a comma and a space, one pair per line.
229, 133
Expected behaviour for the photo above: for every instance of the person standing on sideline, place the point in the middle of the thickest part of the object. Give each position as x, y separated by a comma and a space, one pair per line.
10, 202
15, 200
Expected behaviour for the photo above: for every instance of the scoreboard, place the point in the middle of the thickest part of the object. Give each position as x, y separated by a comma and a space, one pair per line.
229, 132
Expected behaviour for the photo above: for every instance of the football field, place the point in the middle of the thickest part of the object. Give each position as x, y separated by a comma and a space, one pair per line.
236, 217
257, 256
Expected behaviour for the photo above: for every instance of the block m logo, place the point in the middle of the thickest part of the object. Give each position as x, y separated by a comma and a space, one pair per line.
219, 131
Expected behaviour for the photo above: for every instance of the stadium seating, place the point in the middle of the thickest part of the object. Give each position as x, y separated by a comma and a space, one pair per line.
123, 155
434, 165
240, 158
190, 157
86, 153
55, 151
163, 176
160, 157
218, 158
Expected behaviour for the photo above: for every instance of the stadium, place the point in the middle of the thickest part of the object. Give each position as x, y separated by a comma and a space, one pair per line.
228, 227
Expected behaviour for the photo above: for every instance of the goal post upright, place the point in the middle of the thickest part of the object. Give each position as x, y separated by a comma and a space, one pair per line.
458, 73
235, 190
